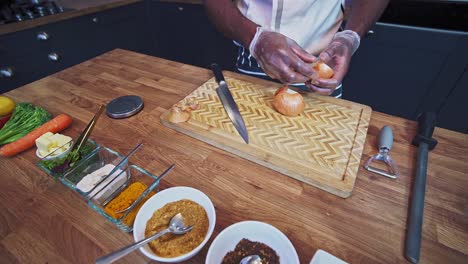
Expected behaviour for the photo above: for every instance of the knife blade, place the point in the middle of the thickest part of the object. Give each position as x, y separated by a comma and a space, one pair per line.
228, 103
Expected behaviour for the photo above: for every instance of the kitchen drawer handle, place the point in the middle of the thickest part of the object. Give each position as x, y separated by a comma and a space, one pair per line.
180, 8
95, 19
370, 33
53, 56
43, 36
7, 72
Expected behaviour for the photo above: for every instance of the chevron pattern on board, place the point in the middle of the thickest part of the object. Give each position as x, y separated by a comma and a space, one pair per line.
325, 141
323, 134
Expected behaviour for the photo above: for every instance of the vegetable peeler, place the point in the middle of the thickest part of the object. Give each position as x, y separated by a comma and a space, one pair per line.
385, 144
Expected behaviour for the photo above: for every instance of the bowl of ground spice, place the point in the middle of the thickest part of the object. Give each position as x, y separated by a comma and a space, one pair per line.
251, 238
155, 215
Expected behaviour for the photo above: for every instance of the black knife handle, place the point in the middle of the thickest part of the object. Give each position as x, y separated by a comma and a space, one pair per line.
426, 125
217, 72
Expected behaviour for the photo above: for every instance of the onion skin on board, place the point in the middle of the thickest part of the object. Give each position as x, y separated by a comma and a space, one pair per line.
177, 115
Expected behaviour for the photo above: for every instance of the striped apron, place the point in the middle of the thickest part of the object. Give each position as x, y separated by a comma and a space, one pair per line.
311, 23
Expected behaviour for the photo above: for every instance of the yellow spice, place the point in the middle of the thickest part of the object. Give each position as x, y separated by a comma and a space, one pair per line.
124, 200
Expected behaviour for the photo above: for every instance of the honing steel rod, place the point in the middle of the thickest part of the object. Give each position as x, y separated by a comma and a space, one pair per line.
424, 140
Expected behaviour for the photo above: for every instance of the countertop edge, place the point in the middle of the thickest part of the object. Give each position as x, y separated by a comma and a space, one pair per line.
14, 27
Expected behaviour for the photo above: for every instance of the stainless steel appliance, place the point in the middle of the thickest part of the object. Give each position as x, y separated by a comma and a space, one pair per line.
20, 10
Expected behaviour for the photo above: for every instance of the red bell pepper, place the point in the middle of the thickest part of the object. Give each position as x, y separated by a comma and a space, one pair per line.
4, 119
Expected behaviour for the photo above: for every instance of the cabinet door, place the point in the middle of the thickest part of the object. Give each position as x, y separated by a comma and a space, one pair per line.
24, 57
20, 54
185, 34
25, 69
454, 113
83, 38
74, 41
124, 27
21, 44
396, 67
454, 79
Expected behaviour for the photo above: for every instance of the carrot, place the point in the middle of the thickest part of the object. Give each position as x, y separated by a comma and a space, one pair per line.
55, 125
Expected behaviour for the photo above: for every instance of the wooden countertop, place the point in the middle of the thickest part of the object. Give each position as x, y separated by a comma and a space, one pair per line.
81, 8
43, 221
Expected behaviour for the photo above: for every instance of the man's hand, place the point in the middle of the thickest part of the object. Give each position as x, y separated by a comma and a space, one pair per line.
281, 57
362, 14
338, 56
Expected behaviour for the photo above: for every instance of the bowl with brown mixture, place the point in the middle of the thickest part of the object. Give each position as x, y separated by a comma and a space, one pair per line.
155, 215
251, 238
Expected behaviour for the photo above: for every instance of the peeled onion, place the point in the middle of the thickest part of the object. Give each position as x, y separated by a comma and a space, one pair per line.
288, 102
177, 115
323, 70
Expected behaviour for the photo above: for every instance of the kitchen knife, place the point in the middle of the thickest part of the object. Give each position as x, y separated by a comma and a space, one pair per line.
228, 103
425, 142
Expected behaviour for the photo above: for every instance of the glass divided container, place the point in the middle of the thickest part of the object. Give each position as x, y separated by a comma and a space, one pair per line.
98, 166
57, 165
122, 196
117, 196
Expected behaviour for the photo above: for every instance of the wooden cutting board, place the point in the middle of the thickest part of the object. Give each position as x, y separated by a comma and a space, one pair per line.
321, 147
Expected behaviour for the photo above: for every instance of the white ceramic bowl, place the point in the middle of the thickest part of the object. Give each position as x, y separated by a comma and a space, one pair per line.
159, 200
254, 231
50, 156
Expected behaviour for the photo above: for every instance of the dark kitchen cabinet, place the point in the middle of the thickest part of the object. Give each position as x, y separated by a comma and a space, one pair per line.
22, 59
185, 34
454, 112
450, 89
402, 70
68, 42
86, 37
416, 60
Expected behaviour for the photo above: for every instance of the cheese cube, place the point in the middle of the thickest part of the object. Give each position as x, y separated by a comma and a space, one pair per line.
43, 143
55, 151
50, 142
60, 139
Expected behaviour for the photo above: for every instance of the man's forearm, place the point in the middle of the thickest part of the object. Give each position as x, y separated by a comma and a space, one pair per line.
363, 14
229, 20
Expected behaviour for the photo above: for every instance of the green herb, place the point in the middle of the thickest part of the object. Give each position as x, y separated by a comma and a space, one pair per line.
69, 160
26, 117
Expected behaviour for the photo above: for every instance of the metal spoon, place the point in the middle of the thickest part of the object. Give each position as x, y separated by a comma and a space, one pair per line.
80, 141
87, 131
176, 226
252, 259
117, 167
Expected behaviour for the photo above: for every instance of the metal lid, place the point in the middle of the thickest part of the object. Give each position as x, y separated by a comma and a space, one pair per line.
124, 106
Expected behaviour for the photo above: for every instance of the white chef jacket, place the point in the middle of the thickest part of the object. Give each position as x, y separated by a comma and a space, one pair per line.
311, 23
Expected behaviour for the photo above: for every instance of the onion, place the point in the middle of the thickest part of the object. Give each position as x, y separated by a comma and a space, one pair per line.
177, 115
288, 102
323, 70
192, 104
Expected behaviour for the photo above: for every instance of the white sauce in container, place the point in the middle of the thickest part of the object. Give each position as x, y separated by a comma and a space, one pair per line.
89, 181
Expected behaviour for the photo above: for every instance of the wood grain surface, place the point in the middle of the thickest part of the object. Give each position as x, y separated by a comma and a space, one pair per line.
322, 146
42, 221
